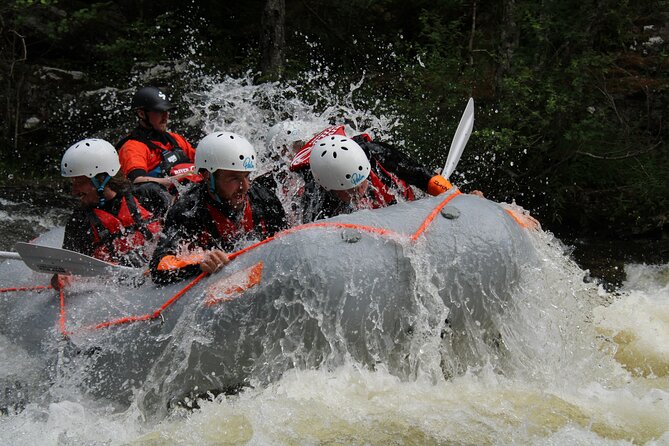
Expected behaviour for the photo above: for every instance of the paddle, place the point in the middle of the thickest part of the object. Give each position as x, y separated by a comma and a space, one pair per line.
47, 259
459, 139
10, 255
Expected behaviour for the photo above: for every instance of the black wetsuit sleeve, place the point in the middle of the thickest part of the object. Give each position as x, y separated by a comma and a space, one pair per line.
183, 224
153, 197
133, 174
78, 234
268, 207
318, 204
396, 162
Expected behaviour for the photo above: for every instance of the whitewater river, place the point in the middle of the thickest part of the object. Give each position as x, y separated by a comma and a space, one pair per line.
581, 365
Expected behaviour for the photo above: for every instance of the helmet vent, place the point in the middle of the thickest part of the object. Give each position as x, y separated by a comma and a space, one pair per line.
344, 148
359, 167
324, 153
348, 176
232, 136
241, 157
334, 154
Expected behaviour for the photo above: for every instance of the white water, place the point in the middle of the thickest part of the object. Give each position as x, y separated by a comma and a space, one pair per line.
582, 366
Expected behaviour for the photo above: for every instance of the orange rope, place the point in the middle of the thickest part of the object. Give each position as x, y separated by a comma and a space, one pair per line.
26, 288
373, 230
155, 314
324, 224
432, 215
61, 321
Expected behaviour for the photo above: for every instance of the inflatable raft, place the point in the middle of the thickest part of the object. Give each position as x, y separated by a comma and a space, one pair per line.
372, 287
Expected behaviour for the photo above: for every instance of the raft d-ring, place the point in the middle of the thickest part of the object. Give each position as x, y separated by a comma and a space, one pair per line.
351, 236
450, 212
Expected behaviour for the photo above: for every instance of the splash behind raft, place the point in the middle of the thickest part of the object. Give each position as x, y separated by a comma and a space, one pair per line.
374, 287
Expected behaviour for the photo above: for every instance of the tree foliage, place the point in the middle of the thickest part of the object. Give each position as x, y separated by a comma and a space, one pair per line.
571, 95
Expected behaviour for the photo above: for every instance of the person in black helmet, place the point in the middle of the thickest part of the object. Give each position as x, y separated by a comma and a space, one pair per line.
150, 155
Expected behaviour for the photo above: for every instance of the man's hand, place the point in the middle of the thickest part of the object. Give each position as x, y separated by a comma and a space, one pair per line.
214, 261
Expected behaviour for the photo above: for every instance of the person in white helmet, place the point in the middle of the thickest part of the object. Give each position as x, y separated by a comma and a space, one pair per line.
287, 137
283, 140
347, 174
112, 223
217, 215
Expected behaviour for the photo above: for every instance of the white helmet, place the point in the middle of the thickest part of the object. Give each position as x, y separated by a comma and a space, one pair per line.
90, 157
287, 133
338, 163
227, 151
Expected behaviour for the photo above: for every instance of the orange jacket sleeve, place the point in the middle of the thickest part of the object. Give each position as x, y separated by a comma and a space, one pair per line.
135, 155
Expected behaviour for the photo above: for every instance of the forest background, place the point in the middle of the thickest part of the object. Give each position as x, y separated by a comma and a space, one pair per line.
571, 95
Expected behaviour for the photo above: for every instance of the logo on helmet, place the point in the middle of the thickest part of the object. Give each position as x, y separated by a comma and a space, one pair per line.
248, 163
357, 178
162, 96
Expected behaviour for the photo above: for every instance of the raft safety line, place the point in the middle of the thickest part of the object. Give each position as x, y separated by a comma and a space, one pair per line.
158, 313
26, 288
149, 316
61, 320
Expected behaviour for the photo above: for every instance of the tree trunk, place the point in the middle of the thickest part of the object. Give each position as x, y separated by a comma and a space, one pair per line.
508, 39
273, 41
471, 35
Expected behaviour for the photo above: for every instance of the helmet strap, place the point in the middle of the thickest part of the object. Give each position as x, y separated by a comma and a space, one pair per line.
100, 188
212, 187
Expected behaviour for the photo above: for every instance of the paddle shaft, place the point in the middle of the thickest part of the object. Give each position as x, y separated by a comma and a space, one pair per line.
10, 255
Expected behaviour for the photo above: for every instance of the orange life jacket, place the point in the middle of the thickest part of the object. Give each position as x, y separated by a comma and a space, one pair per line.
122, 237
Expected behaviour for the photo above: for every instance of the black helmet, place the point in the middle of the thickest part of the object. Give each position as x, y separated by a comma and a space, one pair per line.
151, 99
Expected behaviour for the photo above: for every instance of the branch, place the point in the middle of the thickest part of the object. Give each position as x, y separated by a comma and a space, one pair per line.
326, 24
25, 53
471, 36
613, 104
620, 157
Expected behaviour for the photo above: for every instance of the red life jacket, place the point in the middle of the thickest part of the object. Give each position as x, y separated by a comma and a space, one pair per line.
301, 159
117, 237
381, 195
378, 195
400, 185
229, 230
